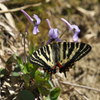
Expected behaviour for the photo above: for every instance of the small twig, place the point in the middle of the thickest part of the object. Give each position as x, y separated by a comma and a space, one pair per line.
18, 19
24, 7
63, 33
80, 77
81, 94
8, 41
28, 39
1, 1
26, 30
81, 86
6, 37
42, 43
73, 88
2, 58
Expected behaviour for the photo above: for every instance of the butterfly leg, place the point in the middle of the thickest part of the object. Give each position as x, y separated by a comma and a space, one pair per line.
62, 70
51, 76
65, 73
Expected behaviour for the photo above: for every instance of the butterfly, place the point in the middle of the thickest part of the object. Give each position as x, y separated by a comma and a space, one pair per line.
59, 54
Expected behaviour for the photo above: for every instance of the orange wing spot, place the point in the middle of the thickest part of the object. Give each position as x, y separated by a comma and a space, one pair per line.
71, 63
62, 71
69, 67
46, 70
44, 67
66, 69
49, 72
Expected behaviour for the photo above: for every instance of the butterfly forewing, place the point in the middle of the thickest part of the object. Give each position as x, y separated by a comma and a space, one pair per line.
84, 50
42, 57
62, 54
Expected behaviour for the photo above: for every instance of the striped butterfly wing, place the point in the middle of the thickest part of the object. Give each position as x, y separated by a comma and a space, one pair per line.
71, 52
62, 54
43, 57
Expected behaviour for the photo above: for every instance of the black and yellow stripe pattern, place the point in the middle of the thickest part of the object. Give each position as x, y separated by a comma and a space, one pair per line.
62, 54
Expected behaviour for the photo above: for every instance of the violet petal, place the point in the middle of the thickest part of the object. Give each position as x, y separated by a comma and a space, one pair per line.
27, 16
20, 73
49, 41
37, 19
58, 40
77, 30
73, 28
53, 33
35, 30
67, 23
75, 38
48, 23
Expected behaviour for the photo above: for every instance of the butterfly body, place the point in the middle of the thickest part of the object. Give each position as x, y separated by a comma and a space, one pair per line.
59, 54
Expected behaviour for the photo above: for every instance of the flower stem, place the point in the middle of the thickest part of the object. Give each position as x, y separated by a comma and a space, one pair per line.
24, 48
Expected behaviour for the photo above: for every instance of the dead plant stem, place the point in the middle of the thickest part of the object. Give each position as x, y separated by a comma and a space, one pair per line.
23, 7
81, 86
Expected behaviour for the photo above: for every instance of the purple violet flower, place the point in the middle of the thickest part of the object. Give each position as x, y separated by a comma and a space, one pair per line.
35, 30
20, 73
53, 34
72, 28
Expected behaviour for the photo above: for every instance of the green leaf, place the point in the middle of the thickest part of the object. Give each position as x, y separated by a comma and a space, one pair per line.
55, 93
26, 95
19, 60
47, 98
2, 72
32, 48
0, 33
32, 73
23, 69
16, 74
43, 90
16, 70
21, 65
26, 78
50, 83
12, 59
28, 67
38, 79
